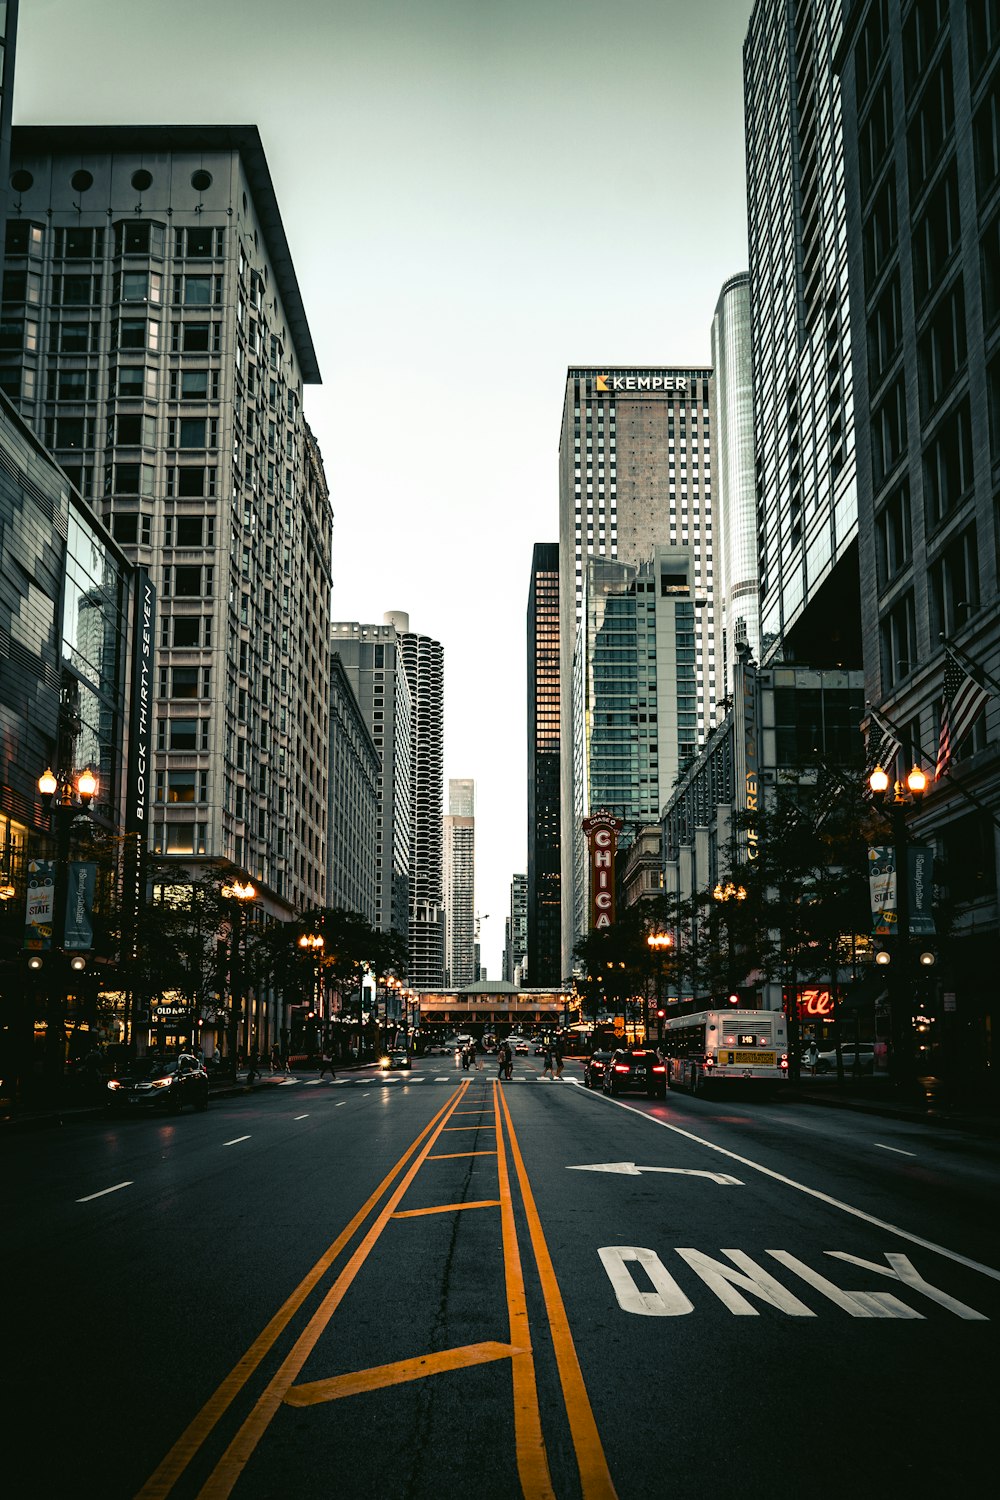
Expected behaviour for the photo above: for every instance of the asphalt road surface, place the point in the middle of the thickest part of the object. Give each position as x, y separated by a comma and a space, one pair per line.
432, 1285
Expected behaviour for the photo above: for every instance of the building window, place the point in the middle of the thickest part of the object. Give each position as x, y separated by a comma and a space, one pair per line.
941, 349
931, 126
954, 585
897, 633
947, 465
936, 235
893, 535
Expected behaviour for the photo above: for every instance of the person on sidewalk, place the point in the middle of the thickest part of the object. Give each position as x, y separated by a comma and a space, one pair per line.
253, 1069
275, 1059
812, 1058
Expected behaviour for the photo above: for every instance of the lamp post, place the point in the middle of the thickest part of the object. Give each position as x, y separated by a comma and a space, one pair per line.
64, 798
239, 892
724, 894
312, 943
895, 799
657, 942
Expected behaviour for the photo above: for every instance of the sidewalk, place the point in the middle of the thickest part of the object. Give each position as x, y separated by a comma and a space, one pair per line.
932, 1101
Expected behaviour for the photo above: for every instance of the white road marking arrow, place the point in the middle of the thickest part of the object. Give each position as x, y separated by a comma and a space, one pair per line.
629, 1169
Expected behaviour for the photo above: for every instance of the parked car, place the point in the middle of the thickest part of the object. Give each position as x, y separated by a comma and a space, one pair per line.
593, 1069
827, 1059
635, 1068
152, 1083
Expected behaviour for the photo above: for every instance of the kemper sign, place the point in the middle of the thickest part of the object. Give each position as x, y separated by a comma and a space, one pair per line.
608, 383
602, 836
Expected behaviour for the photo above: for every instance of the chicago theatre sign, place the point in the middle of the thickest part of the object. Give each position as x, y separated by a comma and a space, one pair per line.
602, 839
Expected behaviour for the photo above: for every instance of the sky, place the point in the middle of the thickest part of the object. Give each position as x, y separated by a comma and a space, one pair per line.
477, 194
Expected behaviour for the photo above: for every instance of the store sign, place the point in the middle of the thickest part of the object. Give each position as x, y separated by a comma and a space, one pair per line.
815, 1005
170, 1013
602, 838
608, 383
751, 764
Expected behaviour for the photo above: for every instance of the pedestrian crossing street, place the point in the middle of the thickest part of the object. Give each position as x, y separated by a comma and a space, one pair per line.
370, 1080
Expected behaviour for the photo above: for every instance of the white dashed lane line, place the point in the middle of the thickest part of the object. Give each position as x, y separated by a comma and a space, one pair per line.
104, 1192
236, 1140
894, 1148
301, 1117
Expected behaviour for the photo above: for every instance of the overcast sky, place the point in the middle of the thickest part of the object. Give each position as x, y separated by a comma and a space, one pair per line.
477, 193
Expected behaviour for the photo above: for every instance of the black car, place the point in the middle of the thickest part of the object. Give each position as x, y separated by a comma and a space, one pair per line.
593, 1069
635, 1068
152, 1083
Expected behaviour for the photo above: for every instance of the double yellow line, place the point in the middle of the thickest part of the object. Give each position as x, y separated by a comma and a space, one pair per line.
532, 1461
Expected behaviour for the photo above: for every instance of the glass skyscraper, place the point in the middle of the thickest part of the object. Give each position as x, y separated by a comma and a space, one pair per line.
543, 913
806, 492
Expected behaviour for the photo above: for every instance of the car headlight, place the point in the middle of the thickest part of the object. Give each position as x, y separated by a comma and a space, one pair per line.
113, 1083
162, 1083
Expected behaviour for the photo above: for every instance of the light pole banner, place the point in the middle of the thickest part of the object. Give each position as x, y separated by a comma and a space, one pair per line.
882, 889
40, 909
920, 858
82, 882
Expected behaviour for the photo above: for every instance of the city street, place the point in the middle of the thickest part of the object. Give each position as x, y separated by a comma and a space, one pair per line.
430, 1284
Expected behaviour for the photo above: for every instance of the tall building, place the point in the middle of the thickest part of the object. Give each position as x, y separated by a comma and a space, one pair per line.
734, 501
355, 767
806, 493
635, 696
155, 338
635, 471
544, 956
373, 662
516, 933
460, 884
8, 49
67, 602
920, 86
423, 662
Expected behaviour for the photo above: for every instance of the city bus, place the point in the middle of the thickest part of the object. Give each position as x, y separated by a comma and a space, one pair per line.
725, 1046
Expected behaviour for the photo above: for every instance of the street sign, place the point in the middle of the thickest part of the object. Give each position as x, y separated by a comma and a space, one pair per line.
619, 1025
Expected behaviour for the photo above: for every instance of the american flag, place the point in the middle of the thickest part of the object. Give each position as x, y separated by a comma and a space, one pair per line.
963, 700
883, 747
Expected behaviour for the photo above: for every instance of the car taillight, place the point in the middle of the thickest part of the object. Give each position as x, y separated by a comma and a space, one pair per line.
659, 1068
113, 1083
709, 1062
621, 1067
783, 1061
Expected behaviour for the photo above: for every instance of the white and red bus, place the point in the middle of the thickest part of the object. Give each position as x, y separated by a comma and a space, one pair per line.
725, 1046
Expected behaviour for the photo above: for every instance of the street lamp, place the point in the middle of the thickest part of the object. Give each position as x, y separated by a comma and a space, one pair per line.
64, 798
239, 892
724, 894
895, 799
313, 943
657, 942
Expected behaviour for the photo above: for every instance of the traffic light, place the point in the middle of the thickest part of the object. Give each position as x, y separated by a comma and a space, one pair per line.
734, 997
660, 1012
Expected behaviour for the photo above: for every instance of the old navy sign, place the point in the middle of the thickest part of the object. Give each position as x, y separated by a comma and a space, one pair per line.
602, 837
609, 383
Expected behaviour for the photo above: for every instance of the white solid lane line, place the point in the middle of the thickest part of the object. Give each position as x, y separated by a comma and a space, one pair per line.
893, 1148
236, 1140
104, 1192
801, 1187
